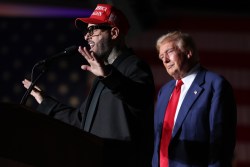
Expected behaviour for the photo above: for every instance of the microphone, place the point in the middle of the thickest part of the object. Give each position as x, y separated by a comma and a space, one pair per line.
67, 51
44, 64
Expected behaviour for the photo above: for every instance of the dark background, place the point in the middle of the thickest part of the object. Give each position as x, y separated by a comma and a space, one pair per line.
34, 30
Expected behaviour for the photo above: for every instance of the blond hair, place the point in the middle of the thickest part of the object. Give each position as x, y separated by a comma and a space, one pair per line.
183, 41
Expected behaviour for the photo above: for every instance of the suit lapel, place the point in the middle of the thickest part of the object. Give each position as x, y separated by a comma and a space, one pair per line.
88, 101
193, 93
92, 107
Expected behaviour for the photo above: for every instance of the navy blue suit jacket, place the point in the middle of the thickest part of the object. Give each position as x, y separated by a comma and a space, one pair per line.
205, 130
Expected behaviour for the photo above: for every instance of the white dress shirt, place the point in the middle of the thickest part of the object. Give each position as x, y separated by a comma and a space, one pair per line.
187, 81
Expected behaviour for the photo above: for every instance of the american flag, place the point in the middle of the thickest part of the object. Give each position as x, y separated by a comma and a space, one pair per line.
25, 40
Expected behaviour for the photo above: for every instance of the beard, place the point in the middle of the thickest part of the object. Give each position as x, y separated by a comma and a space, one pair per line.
103, 52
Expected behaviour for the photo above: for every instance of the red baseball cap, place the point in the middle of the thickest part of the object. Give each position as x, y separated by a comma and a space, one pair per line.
105, 14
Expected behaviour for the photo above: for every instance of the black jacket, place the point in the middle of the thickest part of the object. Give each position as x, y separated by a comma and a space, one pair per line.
124, 111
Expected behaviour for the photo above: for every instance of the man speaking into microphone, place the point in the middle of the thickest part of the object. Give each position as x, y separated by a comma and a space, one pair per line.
120, 104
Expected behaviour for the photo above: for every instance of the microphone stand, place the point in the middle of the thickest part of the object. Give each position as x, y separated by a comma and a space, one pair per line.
33, 83
45, 63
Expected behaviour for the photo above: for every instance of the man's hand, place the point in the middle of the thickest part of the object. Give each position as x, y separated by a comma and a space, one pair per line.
96, 66
36, 91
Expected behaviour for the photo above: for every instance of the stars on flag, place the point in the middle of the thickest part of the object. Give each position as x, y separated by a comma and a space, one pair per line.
25, 41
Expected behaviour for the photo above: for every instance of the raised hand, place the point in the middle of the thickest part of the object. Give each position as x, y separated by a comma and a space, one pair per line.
96, 65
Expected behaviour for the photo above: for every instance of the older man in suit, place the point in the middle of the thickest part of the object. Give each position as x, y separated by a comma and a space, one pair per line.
200, 130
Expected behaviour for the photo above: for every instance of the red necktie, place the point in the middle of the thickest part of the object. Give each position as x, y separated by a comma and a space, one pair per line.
168, 124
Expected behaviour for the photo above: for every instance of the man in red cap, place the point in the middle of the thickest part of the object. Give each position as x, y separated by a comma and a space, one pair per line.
120, 104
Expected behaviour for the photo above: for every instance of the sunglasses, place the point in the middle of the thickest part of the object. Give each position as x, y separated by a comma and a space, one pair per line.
90, 29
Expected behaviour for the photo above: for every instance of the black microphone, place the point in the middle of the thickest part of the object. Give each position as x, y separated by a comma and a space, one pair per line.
67, 51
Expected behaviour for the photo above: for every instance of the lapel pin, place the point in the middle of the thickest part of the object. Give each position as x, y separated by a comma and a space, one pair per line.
195, 92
